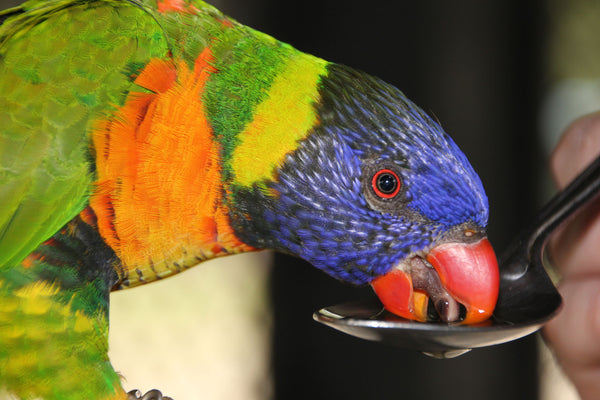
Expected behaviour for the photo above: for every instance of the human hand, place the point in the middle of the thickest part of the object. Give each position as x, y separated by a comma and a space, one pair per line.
574, 334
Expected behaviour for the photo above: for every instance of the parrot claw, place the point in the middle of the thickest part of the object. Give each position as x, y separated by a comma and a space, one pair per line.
150, 395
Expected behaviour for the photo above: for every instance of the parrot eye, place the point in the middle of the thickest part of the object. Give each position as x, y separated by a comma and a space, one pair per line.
386, 183
383, 187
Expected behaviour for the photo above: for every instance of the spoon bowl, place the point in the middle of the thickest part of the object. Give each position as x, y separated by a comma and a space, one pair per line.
527, 297
369, 320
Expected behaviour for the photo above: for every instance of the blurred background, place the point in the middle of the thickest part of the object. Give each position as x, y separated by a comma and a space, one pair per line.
504, 78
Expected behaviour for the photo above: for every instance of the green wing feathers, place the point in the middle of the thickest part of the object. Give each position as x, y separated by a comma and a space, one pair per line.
56, 78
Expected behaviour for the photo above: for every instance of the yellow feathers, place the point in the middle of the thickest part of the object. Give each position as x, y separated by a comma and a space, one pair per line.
286, 116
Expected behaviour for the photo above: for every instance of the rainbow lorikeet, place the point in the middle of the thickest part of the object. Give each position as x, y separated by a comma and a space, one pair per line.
141, 137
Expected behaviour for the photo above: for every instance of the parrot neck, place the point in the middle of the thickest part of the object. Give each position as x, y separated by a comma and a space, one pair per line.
194, 130
159, 200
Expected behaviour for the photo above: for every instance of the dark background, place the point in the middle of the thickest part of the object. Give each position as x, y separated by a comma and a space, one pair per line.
475, 66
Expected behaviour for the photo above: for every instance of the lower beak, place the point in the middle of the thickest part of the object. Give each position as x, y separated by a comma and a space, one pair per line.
461, 280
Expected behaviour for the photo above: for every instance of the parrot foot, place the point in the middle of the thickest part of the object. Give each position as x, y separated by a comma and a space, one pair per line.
150, 395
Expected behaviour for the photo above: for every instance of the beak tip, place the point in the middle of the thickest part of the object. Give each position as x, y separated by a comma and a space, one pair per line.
470, 274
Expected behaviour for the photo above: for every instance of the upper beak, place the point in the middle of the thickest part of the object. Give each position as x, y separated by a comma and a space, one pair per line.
461, 280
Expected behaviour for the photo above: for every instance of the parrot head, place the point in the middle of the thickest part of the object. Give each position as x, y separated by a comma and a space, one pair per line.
378, 194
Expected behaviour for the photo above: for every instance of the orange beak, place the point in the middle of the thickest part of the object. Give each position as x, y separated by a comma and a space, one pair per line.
452, 275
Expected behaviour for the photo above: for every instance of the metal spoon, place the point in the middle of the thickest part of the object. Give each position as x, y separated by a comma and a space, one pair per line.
526, 301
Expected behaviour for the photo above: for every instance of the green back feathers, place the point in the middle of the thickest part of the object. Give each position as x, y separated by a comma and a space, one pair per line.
57, 76
63, 65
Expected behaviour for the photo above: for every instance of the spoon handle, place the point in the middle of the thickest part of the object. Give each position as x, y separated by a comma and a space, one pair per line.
581, 190
528, 247
525, 288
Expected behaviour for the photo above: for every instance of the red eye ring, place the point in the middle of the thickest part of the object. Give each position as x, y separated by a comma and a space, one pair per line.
386, 183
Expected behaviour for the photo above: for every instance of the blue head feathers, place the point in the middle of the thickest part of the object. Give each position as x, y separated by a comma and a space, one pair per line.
379, 122
376, 181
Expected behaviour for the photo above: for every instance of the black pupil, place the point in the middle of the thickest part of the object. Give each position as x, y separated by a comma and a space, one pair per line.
387, 183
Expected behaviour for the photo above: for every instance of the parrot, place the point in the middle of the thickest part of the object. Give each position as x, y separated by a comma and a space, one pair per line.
140, 138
